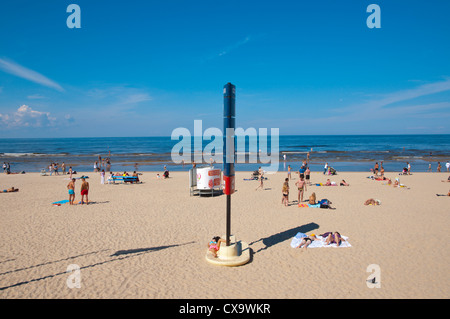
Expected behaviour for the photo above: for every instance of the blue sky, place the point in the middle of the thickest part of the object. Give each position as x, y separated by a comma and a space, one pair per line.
144, 68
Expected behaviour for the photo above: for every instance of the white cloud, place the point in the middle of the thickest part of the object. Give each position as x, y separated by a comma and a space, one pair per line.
25, 116
33, 76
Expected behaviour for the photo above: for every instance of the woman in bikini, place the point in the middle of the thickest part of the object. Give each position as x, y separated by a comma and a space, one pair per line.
333, 238
306, 241
285, 191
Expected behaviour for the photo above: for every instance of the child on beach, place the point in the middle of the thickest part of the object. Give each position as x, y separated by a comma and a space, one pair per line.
301, 185
285, 191
214, 245
289, 171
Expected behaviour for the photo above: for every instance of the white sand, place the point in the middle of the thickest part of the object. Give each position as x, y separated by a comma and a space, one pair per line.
149, 240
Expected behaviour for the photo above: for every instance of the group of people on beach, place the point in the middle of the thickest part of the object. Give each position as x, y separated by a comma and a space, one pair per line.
84, 191
102, 162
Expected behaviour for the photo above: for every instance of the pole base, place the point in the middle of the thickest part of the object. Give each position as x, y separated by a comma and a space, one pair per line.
236, 254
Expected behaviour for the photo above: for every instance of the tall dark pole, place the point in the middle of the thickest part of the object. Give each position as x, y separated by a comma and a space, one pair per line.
229, 150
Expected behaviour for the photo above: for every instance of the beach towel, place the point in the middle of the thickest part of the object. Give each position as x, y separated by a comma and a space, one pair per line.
320, 243
60, 202
309, 205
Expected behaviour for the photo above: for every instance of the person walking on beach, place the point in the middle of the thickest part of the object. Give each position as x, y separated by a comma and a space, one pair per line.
375, 169
63, 168
71, 188
409, 168
301, 185
84, 190
439, 167
325, 168
102, 177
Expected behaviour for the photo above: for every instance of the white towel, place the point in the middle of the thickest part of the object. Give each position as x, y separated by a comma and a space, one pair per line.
320, 243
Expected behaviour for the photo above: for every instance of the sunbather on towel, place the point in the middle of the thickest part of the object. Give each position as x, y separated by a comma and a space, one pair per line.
372, 201
306, 241
332, 238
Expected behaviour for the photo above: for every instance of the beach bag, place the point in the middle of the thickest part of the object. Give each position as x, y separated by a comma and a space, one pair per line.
324, 203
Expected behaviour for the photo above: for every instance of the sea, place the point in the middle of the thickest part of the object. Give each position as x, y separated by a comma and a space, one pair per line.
342, 152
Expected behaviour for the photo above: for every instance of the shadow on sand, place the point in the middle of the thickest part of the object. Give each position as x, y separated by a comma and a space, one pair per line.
121, 255
283, 236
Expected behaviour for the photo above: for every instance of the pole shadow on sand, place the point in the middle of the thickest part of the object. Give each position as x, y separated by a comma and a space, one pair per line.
283, 236
121, 255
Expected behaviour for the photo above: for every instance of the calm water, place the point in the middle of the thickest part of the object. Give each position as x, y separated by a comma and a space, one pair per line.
345, 153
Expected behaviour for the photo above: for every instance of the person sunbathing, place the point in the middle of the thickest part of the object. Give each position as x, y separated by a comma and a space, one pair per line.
448, 180
372, 201
328, 183
344, 183
332, 238
11, 190
306, 241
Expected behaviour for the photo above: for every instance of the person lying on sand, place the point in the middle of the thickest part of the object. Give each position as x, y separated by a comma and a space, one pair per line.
448, 180
448, 194
11, 190
214, 245
372, 201
306, 241
344, 183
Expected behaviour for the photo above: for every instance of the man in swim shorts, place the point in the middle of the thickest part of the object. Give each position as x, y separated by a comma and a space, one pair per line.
84, 190
71, 188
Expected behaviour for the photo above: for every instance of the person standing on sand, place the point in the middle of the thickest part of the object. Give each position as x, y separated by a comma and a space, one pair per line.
102, 177
289, 171
71, 188
261, 178
301, 185
63, 168
325, 168
409, 168
307, 175
375, 169
285, 192
84, 190
447, 165
439, 167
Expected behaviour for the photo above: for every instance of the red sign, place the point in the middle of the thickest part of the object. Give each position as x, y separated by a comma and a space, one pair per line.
228, 188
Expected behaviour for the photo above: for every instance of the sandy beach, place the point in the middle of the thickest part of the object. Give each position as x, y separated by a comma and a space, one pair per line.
149, 240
